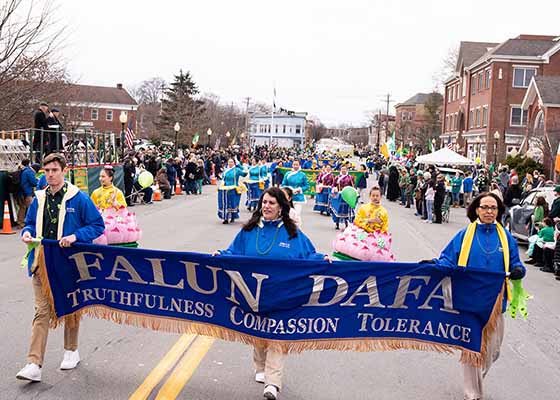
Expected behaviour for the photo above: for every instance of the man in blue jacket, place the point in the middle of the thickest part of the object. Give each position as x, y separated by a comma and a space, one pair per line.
27, 183
60, 212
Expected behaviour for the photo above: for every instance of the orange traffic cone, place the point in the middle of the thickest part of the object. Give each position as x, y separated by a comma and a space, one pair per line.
7, 222
178, 189
213, 180
157, 195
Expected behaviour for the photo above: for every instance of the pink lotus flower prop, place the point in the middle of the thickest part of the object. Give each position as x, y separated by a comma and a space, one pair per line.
121, 226
357, 243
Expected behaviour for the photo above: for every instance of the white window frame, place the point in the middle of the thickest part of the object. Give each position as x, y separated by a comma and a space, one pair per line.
487, 78
524, 76
484, 114
96, 114
456, 121
109, 115
523, 114
471, 118
478, 117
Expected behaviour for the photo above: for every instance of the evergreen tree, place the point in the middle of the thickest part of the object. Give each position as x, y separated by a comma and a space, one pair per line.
181, 105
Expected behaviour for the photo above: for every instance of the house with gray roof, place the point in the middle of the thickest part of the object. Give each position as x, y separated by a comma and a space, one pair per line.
483, 113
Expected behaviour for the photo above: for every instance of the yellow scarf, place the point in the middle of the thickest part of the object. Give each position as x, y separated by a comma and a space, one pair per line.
466, 249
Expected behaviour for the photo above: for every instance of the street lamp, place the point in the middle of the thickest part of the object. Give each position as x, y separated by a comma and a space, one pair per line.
209, 133
227, 136
433, 144
122, 118
177, 128
497, 138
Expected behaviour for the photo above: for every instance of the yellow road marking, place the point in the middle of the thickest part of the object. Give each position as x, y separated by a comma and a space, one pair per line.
163, 367
185, 368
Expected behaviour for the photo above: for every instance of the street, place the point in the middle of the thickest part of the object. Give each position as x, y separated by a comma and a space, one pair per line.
118, 362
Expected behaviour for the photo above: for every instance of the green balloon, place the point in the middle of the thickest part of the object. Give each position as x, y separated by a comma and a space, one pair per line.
350, 196
145, 179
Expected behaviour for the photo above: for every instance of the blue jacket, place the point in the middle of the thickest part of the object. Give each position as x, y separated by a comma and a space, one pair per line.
28, 182
296, 180
485, 253
467, 185
78, 216
231, 176
255, 172
245, 243
42, 183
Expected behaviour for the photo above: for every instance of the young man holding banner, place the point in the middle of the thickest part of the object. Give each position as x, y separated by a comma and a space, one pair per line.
60, 212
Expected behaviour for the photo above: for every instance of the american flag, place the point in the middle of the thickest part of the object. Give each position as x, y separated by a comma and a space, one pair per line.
129, 135
449, 144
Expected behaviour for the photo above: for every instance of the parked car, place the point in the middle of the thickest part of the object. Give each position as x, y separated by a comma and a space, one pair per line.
517, 216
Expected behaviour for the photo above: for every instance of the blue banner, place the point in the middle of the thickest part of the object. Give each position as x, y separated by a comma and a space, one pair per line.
293, 304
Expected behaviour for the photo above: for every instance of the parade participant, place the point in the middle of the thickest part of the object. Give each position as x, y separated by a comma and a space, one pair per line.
61, 212
373, 217
393, 189
108, 195
340, 210
362, 182
484, 244
293, 214
264, 174
254, 190
271, 233
297, 181
229, 192
24, 196
439, 198
325, 182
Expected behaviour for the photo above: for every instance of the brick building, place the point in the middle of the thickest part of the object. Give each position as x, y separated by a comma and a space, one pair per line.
98, 108
412, 121
542, 104
482, 112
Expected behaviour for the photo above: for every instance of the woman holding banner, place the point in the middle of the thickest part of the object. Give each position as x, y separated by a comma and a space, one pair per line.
108, 195
271, 233
229, 193
484, 244
297, 181
325, 181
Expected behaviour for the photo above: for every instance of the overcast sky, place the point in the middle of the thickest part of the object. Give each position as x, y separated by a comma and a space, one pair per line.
334, 59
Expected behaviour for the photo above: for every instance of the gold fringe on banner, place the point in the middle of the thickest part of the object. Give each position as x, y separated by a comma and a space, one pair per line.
175, 325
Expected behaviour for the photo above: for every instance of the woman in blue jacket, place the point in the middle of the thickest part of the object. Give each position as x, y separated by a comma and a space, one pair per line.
271, 233
229, 193
484, 244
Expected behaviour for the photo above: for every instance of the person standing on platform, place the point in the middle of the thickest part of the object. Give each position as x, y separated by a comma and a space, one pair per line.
40, 123
61, 212
393, 189
229, 192
297, 181
264, 175
271, 233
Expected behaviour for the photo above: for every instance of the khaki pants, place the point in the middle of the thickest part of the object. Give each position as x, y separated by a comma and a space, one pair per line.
23, 204
40, 327
473, 376
271, 363
467, 199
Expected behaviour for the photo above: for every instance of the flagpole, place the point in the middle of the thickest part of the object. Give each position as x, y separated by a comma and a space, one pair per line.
273, 108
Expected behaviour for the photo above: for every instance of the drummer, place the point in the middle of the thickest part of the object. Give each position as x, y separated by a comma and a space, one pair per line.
297, 181
325, 181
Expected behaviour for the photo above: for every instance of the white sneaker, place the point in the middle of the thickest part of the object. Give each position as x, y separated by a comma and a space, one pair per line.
71, 359
31, 372
270, 392
259, 377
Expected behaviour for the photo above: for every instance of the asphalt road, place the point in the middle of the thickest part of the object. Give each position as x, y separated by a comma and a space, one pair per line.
120, 361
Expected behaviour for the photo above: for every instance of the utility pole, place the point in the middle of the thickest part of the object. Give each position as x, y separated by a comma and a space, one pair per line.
379, 131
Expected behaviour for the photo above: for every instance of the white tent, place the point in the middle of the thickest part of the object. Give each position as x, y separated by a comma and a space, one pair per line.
444, 156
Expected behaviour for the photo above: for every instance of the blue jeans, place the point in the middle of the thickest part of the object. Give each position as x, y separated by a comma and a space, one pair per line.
429, 208
455, 197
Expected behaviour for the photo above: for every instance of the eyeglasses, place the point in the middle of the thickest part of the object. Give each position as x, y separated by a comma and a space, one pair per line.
488, 208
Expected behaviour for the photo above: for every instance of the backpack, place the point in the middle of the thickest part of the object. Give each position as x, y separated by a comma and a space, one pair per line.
14, 181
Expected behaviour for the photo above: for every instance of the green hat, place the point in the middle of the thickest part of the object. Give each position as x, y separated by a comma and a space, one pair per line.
557, 189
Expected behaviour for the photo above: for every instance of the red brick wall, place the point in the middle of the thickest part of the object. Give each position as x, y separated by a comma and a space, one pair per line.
101, 124
553, 67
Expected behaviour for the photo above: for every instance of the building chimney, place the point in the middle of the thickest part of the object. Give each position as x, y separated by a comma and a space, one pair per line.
119, 85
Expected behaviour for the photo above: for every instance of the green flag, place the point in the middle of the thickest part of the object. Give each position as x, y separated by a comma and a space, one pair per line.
195, 139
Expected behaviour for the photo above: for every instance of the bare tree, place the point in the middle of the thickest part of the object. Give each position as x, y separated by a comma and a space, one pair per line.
149, 91
447, 67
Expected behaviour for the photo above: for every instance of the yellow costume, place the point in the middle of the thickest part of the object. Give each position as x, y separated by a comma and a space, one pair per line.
371, 211
107, 197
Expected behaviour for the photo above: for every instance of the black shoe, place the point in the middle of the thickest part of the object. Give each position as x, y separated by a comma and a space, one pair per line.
232, 220
545, 269
530, 261
337, 227
225, 222
539, 264
558, 278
